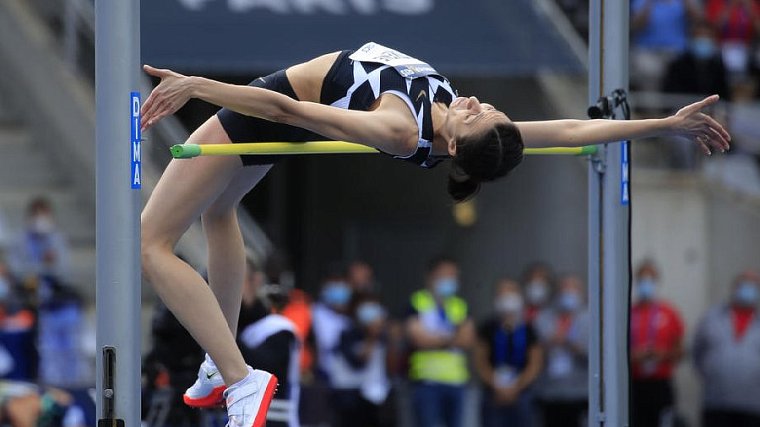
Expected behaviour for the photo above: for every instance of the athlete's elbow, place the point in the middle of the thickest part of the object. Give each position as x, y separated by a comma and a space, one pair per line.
281, 114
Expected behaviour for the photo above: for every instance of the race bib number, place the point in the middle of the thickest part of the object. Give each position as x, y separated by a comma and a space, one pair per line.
405, 65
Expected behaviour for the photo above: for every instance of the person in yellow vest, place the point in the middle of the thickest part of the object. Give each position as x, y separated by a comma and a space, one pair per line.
440, 333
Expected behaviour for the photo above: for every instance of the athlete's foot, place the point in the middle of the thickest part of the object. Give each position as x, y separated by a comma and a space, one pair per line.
208, 389
248, 400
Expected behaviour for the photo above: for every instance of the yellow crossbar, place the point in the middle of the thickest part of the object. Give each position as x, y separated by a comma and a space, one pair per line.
186, 151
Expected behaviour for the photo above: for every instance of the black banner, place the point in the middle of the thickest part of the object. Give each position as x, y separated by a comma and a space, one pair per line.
462, 37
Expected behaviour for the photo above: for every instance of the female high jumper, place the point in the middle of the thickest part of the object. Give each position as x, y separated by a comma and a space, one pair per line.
374, 96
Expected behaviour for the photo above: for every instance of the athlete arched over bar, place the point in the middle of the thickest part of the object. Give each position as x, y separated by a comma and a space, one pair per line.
374, 96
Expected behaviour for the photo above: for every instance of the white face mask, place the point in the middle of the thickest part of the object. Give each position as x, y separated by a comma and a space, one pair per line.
511, 304
42, 224
537, 292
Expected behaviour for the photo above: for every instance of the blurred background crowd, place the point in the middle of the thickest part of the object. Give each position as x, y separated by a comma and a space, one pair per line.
523, 363
392, 335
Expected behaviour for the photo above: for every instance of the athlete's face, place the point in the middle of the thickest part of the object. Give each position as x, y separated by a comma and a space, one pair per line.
467, 116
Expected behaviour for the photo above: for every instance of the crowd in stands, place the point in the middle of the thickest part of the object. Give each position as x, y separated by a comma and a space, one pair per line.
694, 48
45, 372
343, 360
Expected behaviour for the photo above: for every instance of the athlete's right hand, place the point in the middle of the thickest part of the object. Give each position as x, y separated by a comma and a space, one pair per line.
166, 98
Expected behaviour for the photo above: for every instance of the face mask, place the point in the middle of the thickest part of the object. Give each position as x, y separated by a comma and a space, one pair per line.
509, 304
369, 312
569, 301
336, 294
42, 224
746, 294
703, 48
537, 292
646, 289
446, 287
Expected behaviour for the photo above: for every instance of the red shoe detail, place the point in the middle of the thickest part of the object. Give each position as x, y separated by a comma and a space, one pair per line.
261, 417
214, 400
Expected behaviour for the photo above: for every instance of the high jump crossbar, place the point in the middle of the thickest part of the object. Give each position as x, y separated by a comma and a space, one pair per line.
187, 151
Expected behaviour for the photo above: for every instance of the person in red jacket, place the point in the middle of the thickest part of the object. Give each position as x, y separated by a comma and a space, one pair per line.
656, 347
737, 22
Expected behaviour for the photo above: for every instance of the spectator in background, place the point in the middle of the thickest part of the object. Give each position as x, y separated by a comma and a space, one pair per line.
330, 318
297, 309
656, 348
440, 333
41, 251
699, 69
508, 359
270, 342
27, 405
17, 331
727, 356
538, 283
737, 22
360, 375
40, 257
563, 333
63, 362
659, 31
360, 277
252, 307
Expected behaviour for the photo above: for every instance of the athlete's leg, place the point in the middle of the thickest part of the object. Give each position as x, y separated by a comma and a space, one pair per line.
226, 252
184, 191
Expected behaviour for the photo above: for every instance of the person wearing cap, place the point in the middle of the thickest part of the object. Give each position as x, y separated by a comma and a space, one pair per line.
727, 357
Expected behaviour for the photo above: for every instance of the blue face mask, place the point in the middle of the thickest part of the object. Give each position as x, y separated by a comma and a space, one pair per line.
336, 294
569, 301
747, 294
703, 48
646, 289
446, 287
369, 312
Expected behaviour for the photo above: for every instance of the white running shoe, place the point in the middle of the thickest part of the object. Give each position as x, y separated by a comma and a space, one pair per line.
248, 401
208, 389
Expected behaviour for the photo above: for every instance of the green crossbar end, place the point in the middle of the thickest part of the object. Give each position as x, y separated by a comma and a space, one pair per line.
185, 151
588, 150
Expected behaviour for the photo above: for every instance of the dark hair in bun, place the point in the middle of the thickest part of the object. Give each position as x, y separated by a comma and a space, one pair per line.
484, 158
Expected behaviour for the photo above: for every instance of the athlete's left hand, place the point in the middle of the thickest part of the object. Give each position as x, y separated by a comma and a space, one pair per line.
166, 98
690, 122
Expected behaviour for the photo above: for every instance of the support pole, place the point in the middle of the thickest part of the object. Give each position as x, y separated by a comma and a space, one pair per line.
609, 213
117, 139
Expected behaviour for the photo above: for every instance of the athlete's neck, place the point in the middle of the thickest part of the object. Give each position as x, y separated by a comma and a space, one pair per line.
440, 133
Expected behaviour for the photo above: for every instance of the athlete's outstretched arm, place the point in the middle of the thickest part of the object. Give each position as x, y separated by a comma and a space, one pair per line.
688, 122
385, 129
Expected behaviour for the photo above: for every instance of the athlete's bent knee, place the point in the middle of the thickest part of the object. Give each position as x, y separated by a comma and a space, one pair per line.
216, 214
151, 250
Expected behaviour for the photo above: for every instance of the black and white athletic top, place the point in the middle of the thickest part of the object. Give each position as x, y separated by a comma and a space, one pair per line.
358, 78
